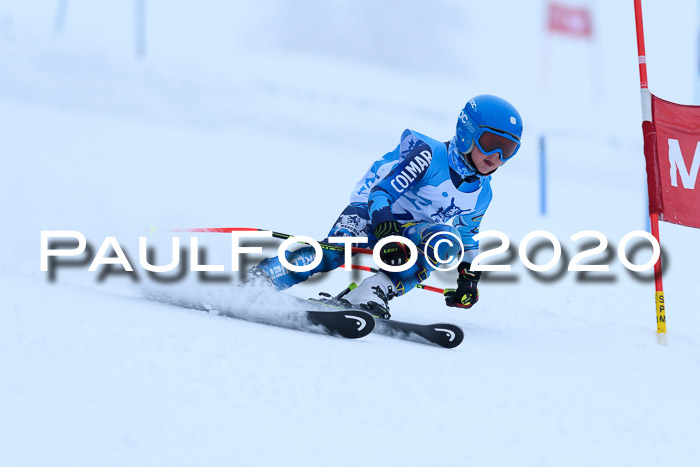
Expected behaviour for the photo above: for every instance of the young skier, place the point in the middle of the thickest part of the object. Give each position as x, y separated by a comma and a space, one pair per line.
414, 191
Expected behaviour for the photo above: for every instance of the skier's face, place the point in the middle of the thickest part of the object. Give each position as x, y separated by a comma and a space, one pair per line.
485, 164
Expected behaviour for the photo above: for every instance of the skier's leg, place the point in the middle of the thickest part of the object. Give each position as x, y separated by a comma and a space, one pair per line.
282, 278
374, 293
352, 222
426, 236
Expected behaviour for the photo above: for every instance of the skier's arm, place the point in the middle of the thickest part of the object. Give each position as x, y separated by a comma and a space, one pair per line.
401, 179
468, 224
467, 293
468, 227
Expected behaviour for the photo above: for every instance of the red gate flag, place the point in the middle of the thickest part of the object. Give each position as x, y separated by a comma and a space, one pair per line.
571, 21
672, 168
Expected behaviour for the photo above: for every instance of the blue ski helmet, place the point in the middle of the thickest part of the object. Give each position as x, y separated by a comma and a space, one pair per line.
492, 124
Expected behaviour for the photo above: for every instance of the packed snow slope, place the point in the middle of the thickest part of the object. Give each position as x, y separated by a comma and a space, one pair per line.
265, 115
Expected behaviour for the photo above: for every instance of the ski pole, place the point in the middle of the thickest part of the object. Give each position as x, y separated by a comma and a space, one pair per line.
283, 236
420, 286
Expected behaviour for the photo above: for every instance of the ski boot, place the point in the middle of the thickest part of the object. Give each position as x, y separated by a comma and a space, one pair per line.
372, 295
258, 277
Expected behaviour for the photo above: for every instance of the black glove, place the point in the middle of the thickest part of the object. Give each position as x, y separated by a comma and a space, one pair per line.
466, 294
387, 229
393, 253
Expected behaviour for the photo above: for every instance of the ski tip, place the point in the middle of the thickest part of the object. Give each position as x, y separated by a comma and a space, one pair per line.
351, 324
444, 335
452, 335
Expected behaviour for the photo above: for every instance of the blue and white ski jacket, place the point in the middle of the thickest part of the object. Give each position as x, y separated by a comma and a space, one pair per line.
414, 183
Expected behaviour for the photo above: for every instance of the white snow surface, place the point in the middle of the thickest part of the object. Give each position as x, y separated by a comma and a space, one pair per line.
265, 115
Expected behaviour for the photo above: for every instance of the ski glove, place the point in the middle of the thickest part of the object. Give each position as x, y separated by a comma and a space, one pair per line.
393, 253
387, 229
466, 294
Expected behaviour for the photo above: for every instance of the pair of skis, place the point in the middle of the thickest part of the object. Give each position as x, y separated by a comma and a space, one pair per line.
354, 324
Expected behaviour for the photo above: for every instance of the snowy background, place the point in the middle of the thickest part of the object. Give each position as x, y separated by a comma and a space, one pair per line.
265, 114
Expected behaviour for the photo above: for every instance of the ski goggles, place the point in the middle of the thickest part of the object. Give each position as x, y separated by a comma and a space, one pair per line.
491, 141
